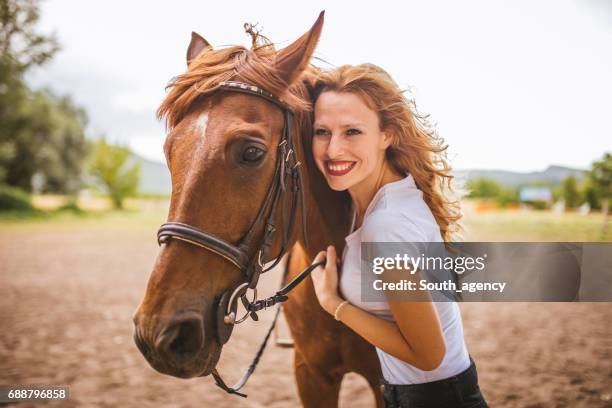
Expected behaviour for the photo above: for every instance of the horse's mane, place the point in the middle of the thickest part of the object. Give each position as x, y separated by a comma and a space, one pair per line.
254, 66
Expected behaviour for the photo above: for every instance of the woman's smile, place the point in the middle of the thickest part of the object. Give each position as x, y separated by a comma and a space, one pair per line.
348, 144
339, 167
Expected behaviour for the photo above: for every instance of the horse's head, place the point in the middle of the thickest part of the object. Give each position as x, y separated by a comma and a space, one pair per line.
222, 153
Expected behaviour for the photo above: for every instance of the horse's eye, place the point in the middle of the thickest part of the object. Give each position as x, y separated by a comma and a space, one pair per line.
252, 154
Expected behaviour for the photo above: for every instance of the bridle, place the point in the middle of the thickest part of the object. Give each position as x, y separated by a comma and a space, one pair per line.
242, 255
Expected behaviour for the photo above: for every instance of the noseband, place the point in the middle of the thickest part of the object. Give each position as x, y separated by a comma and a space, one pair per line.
245, 255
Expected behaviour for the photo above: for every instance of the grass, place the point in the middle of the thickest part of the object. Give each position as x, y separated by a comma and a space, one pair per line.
480, 225
96, 213
543, 226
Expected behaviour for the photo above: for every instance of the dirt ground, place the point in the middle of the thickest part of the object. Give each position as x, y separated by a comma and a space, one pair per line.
67, 296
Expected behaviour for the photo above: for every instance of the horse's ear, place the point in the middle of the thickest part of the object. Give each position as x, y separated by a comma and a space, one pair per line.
292, 60
196, 46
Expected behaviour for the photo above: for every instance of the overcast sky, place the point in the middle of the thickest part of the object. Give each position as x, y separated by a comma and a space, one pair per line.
514, 85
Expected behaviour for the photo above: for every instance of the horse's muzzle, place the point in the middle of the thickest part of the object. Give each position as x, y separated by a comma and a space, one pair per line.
176, 348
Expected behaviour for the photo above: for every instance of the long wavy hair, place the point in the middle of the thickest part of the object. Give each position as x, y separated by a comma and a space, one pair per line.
416, 147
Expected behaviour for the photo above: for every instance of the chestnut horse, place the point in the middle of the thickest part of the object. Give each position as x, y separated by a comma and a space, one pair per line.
221, 151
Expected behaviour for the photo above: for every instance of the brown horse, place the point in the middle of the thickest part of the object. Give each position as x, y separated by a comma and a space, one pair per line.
221, 152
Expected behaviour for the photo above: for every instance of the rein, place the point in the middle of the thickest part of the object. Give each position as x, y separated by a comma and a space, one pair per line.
242, 255
276, 299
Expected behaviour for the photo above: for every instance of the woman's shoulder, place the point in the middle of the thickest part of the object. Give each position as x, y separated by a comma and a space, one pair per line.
389, 225
400, 214
404, 216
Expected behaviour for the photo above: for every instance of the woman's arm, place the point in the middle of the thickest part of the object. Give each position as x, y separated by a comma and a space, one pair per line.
415, 337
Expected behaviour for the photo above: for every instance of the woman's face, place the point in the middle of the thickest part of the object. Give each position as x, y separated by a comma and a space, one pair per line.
348, 145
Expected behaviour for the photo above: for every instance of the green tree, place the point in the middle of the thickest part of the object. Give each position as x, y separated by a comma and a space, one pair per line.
571, 195
508, 195
591, 195
13, 94
110, 166
601, 177
45, 137
484, 188
40, 133
21, 47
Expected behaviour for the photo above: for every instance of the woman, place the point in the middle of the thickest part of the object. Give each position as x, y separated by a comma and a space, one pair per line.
368, 140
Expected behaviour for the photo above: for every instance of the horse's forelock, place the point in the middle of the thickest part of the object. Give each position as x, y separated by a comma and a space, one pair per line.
254, 66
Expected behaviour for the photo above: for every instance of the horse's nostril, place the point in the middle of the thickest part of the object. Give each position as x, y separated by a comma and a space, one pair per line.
189, 338
181, 340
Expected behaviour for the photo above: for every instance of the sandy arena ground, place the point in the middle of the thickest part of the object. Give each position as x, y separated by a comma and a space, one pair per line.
67, 296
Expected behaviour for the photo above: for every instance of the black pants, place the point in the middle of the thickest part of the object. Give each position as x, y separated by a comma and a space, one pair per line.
458, 391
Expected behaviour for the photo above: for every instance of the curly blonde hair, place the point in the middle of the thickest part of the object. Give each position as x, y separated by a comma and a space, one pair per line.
416, 147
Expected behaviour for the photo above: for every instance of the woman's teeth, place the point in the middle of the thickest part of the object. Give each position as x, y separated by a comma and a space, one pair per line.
338, 169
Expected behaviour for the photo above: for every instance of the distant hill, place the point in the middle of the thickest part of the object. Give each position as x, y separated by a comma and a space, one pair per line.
552, 175
154, 176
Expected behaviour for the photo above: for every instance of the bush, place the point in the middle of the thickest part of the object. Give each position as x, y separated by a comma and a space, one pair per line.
12, 198
571, 195
483, 188
539, 205
508, 196
111, 168
71, 206
591, 195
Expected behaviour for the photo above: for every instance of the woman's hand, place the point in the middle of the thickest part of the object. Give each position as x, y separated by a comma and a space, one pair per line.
326, 280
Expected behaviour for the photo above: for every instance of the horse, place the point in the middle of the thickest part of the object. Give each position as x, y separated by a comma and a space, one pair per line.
224, 152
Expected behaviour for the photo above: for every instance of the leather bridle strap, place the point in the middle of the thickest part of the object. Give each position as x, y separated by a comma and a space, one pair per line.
276, 299
199, 238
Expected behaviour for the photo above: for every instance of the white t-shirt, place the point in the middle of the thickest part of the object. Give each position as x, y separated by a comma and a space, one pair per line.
398, 213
